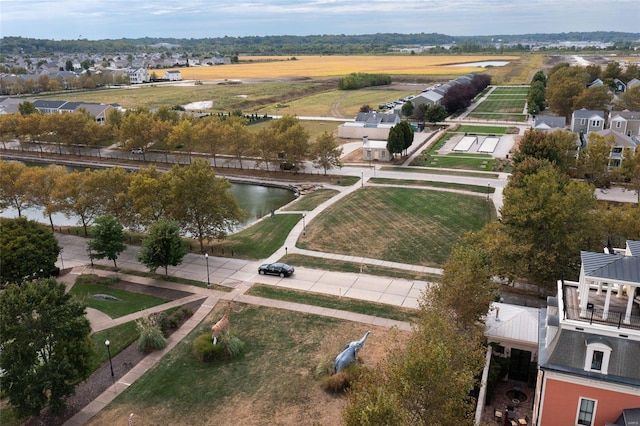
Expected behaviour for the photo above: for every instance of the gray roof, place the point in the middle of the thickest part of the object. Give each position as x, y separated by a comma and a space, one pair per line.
48, 104
587, 113
569, 351
629, 417
375, 118
634, 247
611, 266
633, 83
430, 95
550, 122
620, 139
626, 114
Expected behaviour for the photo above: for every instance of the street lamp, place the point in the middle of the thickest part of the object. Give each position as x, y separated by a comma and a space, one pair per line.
304, 226
488, 189
369, 155
107, 343
61, 260
362, 179
206, 256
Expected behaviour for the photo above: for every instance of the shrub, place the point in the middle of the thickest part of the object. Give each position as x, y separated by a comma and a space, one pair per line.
342, 380
228, 347
151, 336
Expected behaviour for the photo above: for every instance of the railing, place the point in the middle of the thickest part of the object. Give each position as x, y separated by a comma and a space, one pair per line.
594, 315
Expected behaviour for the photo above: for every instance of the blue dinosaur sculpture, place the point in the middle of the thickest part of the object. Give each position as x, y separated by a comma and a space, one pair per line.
349, 353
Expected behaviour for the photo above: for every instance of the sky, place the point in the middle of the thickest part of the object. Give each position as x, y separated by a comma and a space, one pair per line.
114, 19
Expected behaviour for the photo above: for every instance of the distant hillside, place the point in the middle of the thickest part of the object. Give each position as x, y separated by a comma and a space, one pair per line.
299, 45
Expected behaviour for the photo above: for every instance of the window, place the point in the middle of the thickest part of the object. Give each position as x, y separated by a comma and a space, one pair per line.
596, 360
618, 124
583, 121
586, 411
596, 123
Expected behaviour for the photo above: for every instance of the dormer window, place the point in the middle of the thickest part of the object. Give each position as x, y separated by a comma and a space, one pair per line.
596, 360
597, 355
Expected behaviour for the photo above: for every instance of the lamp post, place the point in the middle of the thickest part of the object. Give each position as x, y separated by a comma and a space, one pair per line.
369, 155
362, 179
304, 226
61, 260
488, 189
206, 257
107, 343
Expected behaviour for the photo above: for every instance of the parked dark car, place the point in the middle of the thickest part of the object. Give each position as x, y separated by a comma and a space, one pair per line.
281, 269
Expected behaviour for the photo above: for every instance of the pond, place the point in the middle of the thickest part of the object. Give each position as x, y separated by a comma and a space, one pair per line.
482, 64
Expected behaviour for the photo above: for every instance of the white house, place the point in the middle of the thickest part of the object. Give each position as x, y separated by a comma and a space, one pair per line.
138, 75
173, 75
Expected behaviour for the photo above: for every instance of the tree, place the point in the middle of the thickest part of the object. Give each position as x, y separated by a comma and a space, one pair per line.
201, 203
539, 77
73, 196
630, 169
426, 382
407, 134
407, 109
594, 159
14, 186
162, 246
395, 141
436, 113
548, 219
46, 350
26, 108
326, 152
42, 185
108, 234
558, 147
563, 87
237, 137
149, 193
536, 98
29, 250
593, 98
292, 139
630, 99
467, 287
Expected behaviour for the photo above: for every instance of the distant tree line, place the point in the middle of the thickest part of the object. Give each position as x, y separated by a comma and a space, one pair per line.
359, 80
310, 44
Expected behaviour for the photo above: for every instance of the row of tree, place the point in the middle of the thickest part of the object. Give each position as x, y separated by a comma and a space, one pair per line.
459, 96
190, 195
359, 80
567, 88
283, 140
45, 83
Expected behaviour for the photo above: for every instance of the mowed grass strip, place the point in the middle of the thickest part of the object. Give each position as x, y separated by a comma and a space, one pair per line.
462, 163
334, 302
397, 224
272, 383
491, 130
441, 172
355, 267
505, 90
432, 183
521, 118
503, 105
310, 201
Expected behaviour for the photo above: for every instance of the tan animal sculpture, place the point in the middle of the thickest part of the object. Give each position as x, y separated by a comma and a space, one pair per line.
221, 326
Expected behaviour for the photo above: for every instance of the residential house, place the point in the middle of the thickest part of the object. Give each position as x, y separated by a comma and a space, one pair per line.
622, 144
373, 150
619, 86
99, 111
173, 75
138, 75
549, 123
585, 121
625, 122
374, 125
589, 345
632, 83
596, 83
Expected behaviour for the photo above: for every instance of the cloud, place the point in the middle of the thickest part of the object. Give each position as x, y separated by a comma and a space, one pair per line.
203, 18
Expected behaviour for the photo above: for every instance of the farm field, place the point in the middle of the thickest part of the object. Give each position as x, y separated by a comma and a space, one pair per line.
336, 66
397, 224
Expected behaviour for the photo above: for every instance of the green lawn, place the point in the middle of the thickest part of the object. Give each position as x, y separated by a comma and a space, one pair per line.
272, 383
397, 224
441, 172
491, 130
129, 302
310, 201
456, 162
501, 105
259, 240
521, 118
120, 337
